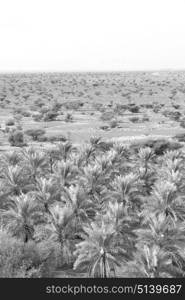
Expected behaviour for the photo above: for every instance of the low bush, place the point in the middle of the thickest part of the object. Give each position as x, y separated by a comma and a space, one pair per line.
37, 117
134, 119
97, 105
148, 106
39, 103
107, 116
10, 122
145, 119
57, 138
30, 260
104, 127
182, 123
68, 117
16, 138
35, 133
17, 111
180, 137
50, 116
73, 105
26, 114
159, 146
134, 109
173, 115
42, 138
113, 123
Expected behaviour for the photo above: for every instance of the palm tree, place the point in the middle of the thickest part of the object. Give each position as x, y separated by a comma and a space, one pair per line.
60, 227
146, 155
145, 167
93, 180
149, 261
173, 155
10, 159
126, 190
163, 231
95, 141
19, 218
52, 156
86, 155
97, 254
34, 162
122, 150
83, 207
173, 170
104, 162
64, 174
65, 149
13, 179
124, 224
45, 192
164, 198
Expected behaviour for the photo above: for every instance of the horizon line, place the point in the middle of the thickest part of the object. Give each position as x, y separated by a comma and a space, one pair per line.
92, 71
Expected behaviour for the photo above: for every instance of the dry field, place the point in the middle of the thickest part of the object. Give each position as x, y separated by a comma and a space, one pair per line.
110, 105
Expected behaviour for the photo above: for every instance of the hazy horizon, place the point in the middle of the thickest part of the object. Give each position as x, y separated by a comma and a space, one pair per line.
91, 35
92, 71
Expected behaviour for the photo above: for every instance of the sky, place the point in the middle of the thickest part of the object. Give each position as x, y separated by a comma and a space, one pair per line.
91, 35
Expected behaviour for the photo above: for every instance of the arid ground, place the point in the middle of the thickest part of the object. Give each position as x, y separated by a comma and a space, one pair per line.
111, 105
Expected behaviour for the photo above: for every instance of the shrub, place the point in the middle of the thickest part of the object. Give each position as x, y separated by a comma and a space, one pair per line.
180, 137
17, 111
10, 255
134, 109
35, 133
148, 106
37, 117
173, 115
159, 146
13, 262
68, 117
29, 260
176, 115
104, 127
42, 138
134, 119
156, 109
45, 110
73, 105
39, 102
107, 116
97, 106
145, 119
16, 138
56, 106
182, 123
19, 127
120, 108
114, 123
176, 106
50, 116
18, 117
55, 138
10, 122
26, 114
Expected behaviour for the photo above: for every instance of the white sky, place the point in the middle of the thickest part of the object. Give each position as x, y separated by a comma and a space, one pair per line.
91, 35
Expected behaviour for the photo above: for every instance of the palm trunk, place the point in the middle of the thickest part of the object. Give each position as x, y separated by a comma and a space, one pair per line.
51, 165
26, 238
104, 266
46, 206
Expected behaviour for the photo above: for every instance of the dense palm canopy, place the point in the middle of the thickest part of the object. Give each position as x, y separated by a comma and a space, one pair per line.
102, 208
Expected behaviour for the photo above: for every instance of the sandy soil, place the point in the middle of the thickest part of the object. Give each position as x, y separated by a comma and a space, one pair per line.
97, 93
